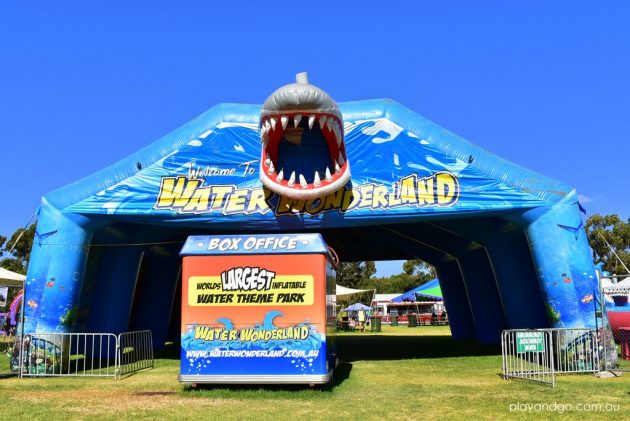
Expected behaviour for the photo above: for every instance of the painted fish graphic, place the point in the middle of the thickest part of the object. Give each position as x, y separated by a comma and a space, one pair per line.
32, 304
587, 298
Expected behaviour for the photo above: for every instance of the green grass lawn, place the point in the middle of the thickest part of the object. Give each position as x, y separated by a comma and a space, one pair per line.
401, 373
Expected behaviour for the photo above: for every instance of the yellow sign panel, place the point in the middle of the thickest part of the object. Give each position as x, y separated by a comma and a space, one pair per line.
285, 290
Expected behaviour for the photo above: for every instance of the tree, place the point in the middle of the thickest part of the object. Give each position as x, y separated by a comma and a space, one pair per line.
17, 260
419, 268
351, 274
391, 285
18, 248
360, 275
608, 233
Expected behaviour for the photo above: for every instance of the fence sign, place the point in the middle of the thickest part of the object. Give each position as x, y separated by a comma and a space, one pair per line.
529, 342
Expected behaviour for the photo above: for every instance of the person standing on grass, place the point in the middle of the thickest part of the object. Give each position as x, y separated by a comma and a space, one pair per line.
362, 320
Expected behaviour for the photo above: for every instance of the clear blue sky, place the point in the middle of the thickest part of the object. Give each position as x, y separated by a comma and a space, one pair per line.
543, 84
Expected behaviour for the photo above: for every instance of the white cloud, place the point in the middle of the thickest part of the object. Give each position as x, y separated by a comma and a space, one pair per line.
584, 199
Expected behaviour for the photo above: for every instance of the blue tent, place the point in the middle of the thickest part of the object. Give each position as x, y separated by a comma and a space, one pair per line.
357, 307
430, 290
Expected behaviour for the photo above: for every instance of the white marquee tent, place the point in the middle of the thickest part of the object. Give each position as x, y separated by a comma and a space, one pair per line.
11, 279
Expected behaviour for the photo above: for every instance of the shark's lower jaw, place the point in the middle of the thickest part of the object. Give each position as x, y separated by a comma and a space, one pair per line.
276, 172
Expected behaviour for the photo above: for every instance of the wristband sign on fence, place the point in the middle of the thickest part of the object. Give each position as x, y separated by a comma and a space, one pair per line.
529, 342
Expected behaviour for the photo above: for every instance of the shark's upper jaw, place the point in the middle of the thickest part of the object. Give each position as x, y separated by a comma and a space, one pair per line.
290, 114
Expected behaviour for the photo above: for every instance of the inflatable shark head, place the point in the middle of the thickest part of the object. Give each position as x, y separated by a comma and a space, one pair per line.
303, 152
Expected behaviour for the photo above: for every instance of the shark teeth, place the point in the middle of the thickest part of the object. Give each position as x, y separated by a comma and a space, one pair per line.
322, 122
337, 133
317, 181
329, 122
272, 129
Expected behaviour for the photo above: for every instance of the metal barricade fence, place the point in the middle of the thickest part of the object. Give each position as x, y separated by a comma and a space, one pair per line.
82, 354
575, 350
527, 354
6, 348
136, 351
6, 343
540, 354
66, 354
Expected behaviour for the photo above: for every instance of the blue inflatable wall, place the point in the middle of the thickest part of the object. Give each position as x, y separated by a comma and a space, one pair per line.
508, 244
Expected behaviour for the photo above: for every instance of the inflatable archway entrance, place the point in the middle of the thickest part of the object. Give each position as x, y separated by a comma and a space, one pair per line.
508, 244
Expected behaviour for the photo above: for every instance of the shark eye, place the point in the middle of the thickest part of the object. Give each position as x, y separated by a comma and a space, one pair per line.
303, 153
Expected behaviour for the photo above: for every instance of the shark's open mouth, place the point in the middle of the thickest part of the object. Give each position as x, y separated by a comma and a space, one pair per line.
303, 151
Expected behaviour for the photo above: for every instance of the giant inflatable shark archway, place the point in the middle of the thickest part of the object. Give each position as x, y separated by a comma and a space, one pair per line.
508, 244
